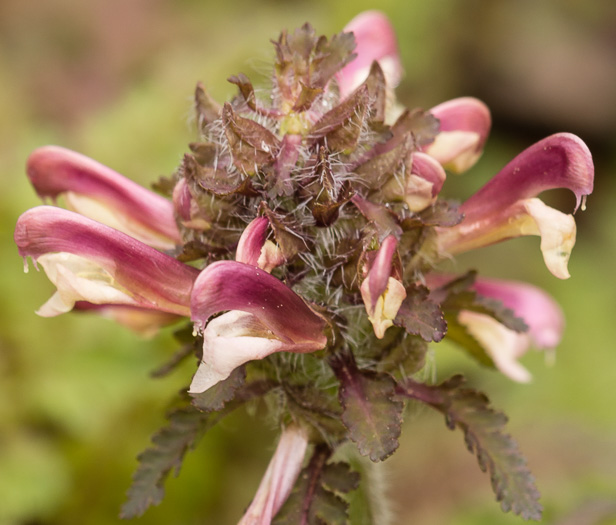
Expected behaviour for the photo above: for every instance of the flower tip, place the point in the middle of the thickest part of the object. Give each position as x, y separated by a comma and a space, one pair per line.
375, 41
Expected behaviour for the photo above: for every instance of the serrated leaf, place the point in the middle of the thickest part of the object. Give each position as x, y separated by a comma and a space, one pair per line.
186, 426
215, 398
164, 186
252, 145
340, 127
484, 435
215, 181
442, 213
246, 89
419, 315
330, 56
378, 169
408, 356
458, 295
370, 412
289, 241
384, 220
423, 125
206, 108
315, 499
306, 97
338, 477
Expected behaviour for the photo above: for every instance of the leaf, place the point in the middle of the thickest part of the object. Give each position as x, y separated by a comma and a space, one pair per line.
216, 181
458, 295
252, 145
330, 56
246, 89
164, 186
316, 498
442, 213
186, 426
423, 125
215, 397
369, 410
340, 127
206, 108
459, 334
384, 220
484, 435
407, 356
306, 97
419, 315
378, 169
289, 241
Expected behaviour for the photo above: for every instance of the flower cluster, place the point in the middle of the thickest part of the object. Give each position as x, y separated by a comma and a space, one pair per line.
302, 237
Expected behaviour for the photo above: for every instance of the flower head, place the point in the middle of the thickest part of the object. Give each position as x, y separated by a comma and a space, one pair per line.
301, 240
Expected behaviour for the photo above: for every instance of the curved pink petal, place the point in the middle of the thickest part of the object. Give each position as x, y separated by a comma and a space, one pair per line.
558, 161
187, 208
92, 262
541, 312
464, 127
279, 478
380, 271
251, 241
375, 40
232, 285
98, 192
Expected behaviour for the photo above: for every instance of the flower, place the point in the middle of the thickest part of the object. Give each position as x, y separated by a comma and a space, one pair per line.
279, 478
506, 206
265, 316
88, 261
382, 293
98, 192
505, 346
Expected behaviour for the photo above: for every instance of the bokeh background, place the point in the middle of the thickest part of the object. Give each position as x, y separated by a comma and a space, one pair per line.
114, 79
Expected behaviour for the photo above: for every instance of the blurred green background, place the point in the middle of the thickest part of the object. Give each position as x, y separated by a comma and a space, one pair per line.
113, 79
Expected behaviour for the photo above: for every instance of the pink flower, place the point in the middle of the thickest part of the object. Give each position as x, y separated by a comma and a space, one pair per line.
541, 313
279, 478
265, 316
88, 261
506, 206
102, 194
382, 293
464, 127
376, 41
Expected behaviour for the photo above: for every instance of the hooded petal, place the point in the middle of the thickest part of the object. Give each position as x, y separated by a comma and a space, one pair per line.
88, 261
382, 293
375, 40
464, 127
266, 316
100, 193
254, 249
280, 476
558, 161
232, 285
505, 206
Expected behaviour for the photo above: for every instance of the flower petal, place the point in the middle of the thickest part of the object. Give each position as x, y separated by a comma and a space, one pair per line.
464, 127
91, 262
558, 161
503, 345
232, 339
382, 294
255, 250
280, 476
541, 313
100, 193
232, 285
376, 40
526, 217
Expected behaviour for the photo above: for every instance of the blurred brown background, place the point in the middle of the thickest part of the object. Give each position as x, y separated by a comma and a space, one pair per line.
114, 79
